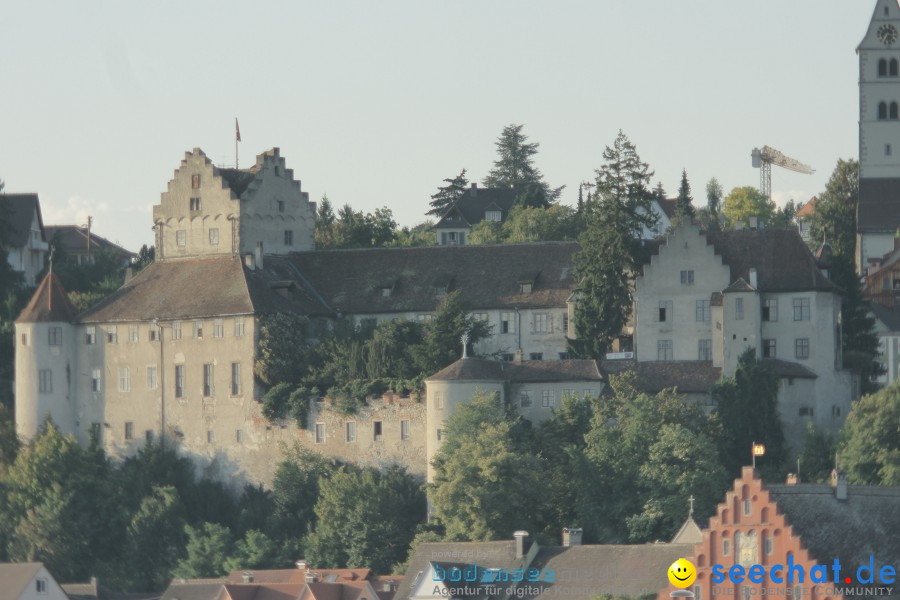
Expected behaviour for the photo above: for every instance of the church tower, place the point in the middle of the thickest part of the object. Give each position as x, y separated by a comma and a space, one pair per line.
878, 214
45, 361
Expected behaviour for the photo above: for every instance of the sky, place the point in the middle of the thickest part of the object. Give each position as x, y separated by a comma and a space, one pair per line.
375, 103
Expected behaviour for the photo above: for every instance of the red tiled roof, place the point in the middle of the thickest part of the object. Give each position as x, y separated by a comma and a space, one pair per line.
50, 304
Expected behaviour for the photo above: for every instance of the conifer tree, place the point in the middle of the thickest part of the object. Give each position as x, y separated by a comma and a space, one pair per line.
514, 168
683, 206
714, 193
448, 195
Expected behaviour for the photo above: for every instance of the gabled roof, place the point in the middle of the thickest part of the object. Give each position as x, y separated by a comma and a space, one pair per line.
49, 304
689, 533
480, 369
739, 286
667, 205
75, 239
351, 281
807, 210
889, 317
15, 576
470, 208
878, 209
20, 210
689, 376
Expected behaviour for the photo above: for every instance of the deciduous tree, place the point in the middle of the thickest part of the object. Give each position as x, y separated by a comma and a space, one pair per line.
745, 202
869, 448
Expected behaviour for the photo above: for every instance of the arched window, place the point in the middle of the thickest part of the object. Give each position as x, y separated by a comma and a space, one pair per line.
894, 111
882, 67
882, 111
892, 69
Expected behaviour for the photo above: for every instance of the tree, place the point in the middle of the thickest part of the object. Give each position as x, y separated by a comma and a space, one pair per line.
324, 232
514, 168
608, 256
714, 195
748, 409
295, 492
417, 235
745, 202
283, 348
683, 206
869, 449
154, 540
487, 482
254, 551
442, 337
817, 457
207, 549
834, 218
366, 519
859, 340
146, 256
659, 192
447, 195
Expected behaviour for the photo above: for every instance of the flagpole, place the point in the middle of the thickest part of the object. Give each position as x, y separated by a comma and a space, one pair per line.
237, 139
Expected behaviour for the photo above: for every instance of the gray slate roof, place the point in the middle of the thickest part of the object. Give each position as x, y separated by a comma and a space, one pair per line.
469, 209
19, 214
865, 524
498, 555
74, 239
480, 369
489, 276
689, 376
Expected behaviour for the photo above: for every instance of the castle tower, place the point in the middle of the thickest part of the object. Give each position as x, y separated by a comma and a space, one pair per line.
45, 360
878, 214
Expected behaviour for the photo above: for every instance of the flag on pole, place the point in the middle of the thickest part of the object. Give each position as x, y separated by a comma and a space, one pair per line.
237, 130
759, 450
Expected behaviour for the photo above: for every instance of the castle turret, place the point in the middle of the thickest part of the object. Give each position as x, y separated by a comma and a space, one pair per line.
45, 360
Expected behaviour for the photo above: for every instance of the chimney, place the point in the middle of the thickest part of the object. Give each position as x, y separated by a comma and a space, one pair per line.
571, 536
792, 479
388, 586
754, 222
517, 357
311, 577
521, 538
259, 255
754, 280
247, 577
474, 189
250, 261
839, 483
301, 564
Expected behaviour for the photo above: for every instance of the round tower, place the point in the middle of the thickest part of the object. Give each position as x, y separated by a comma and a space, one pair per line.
45, 360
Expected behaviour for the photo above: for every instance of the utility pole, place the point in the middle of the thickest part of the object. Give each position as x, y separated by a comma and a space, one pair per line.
90, 221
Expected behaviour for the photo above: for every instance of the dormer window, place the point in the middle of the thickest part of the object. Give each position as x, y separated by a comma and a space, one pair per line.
525, 288
385, 292
492, 215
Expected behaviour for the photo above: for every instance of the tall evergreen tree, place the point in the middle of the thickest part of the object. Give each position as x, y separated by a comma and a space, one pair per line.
447, 195
714, 194
609, 254
659, 192
514, 168
683, 205
834, 219
324, 232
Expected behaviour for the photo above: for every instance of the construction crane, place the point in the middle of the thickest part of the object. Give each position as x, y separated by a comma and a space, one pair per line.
765, 157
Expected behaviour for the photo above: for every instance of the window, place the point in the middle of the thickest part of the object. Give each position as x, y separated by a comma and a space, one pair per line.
133, 335
507, 356
45, 381
179, 381
564, 356
235, 379
798, 591
208, 380
96, 432
697, 591
548, 399
288, 238
151, 377
540, 323
767, 545
148, 436
90, 335
738, 309
96, 380
440, 435
525, 399
701, 310
887, 149
525, 288
492, 215
687, 278
404, 430
725, 547
894, 115
480, 317
770, 310
664, 350
666, 312
238, 436
439, 400
882, 67
768, 349
198, 329
806, 411
566, 324
124, 379
24, 339
40, 585
209, 436
704, 350
181, 237
746, 507
882, 111
195, 204
129, 430
214, 237
350, 430
238, 326
54, 336
535, 356
376, 431
154, 332
507, 322
801, 348
112, 334
176, 330
280, 205
217, 328
892, 71
424, 318
801, 309
195, 182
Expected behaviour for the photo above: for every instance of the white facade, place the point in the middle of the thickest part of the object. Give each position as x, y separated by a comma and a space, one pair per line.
29, 581
201, 214
29, 258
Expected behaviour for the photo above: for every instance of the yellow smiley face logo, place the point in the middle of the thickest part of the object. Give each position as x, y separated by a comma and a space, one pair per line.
682, 573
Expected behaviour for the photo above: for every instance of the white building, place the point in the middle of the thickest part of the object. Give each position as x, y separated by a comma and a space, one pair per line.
28, 581
27, 243
878, 216
476, 205
708, 297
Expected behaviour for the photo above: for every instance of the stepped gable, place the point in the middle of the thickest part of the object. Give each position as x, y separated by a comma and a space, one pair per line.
50, 303
393, 280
